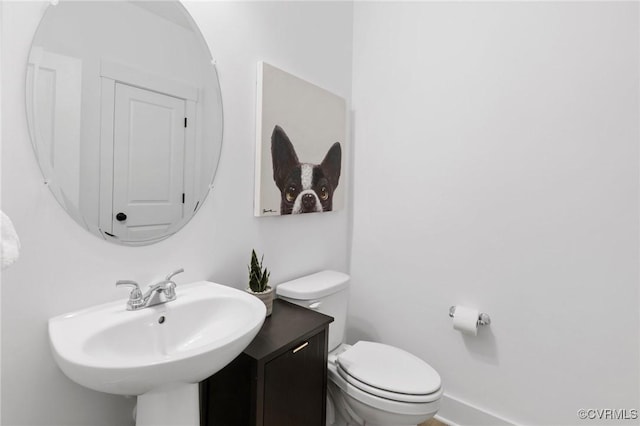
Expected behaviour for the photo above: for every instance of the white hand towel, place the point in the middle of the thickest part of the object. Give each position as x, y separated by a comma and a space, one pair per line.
10, 244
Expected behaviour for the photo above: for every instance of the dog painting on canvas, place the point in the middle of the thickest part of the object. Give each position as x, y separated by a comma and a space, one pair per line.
304, 187
301, 144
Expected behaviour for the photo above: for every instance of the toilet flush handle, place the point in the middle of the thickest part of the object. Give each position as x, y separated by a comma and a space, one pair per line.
315, 305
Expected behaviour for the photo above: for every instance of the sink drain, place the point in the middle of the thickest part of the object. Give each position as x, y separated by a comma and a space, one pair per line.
161, 319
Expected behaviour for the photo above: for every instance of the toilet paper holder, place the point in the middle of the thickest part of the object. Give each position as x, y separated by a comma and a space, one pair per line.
483, 319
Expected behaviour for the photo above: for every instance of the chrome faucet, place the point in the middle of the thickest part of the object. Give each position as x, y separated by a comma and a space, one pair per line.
161, 292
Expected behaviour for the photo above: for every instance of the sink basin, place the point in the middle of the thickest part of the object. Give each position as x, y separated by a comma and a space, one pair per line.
159, 349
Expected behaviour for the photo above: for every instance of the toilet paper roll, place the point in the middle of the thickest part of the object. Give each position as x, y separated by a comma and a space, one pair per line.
466, 320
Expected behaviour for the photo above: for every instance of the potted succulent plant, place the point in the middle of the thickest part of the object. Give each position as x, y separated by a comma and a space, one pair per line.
259, 280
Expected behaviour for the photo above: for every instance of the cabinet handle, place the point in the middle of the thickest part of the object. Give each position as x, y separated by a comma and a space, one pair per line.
301, 347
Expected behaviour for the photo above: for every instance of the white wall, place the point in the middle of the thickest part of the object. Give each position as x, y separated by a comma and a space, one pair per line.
1, 121
63, 267
496, 166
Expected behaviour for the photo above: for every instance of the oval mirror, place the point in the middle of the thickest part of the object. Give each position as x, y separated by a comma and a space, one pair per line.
125, 115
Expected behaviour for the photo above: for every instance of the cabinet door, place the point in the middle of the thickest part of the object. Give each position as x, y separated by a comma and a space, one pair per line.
295, 385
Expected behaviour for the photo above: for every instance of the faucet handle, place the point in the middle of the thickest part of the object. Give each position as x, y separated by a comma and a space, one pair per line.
170, 289
135, 297
174, 273
130, 283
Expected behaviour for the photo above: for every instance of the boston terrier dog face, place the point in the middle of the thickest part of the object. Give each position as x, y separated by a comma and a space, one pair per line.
304, 187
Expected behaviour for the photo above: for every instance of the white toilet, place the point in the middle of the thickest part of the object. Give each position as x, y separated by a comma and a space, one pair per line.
369, 383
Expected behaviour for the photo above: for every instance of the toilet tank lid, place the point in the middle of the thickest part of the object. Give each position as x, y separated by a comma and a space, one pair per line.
313, 286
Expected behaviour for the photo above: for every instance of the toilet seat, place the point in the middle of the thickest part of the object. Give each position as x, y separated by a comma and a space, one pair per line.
393, 396
353, 393
403, 376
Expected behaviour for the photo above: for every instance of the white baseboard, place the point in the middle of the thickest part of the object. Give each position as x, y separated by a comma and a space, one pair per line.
455, 412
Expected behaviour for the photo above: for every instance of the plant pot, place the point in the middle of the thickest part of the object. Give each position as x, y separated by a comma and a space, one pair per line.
266, 297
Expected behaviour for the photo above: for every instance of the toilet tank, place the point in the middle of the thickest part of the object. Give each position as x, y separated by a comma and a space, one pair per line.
325, 292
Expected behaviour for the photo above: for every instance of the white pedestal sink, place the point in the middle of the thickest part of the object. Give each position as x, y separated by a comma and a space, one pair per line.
158, 353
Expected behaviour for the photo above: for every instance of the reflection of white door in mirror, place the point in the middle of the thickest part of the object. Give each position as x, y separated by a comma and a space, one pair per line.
54, 92
147, 153
148, 174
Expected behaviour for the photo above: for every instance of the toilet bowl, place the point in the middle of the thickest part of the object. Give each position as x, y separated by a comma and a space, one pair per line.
406, 391
370, 384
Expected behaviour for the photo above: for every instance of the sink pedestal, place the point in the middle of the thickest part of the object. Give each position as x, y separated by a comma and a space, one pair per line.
178, 405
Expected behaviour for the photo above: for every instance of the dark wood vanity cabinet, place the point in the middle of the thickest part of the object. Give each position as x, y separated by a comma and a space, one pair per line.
279, 380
